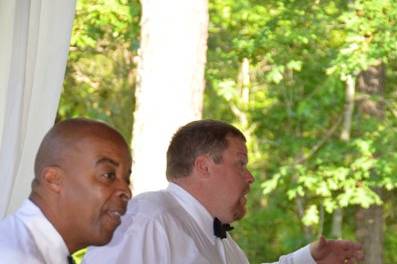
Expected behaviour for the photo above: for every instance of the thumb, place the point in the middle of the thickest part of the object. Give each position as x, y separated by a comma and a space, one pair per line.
317, 248
322, 242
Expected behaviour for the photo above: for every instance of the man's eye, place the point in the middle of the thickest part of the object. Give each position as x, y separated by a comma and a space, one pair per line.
109, 175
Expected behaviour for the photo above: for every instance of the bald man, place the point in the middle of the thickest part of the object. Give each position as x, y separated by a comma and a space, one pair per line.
79, 192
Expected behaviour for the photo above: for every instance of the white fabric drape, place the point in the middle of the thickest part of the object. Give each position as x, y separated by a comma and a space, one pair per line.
35, 36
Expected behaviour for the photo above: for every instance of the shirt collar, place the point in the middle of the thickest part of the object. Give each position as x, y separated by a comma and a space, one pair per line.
48, 240
199, 213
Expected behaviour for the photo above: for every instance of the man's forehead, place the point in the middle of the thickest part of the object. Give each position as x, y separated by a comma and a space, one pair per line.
236, 141
100, 147
237, 145
99, 139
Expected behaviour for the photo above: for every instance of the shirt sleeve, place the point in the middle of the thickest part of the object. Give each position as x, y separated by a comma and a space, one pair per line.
301, 256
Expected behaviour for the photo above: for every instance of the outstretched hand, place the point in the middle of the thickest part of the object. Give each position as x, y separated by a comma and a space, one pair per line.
336, 251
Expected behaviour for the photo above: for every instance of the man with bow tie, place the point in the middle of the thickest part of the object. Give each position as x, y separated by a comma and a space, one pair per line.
188, 222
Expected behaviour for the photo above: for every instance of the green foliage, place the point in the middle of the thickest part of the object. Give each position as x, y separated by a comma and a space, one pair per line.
100, 74
370, 28
300, 53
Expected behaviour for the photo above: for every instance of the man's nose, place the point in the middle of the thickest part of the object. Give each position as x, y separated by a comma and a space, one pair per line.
124, 191
249, 177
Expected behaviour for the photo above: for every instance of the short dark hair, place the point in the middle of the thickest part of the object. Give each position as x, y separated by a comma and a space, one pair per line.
197, 138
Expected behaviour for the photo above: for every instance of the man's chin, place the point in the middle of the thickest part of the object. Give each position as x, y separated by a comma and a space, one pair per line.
103, 240
240, 213
105, 235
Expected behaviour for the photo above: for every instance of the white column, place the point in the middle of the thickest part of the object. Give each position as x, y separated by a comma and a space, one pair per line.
170, 83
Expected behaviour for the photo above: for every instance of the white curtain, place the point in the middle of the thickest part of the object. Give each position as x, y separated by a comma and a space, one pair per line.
34, 42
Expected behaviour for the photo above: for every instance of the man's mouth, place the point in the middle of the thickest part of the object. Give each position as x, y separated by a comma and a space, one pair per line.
115, 215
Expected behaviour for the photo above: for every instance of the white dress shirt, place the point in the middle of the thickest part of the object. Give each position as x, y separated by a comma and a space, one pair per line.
172, 227
28, 237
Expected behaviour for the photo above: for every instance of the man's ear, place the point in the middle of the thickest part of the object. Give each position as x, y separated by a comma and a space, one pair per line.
201, 165
52, 177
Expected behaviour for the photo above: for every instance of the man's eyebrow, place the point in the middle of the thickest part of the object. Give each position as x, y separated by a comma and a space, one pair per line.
107, 160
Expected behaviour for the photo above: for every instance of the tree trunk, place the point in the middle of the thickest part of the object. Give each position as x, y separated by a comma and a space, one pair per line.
170, 83
370, 233
370, 221
337, 219
349, 107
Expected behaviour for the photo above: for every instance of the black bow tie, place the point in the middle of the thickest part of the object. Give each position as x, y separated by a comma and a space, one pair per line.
220, 229
70, 260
